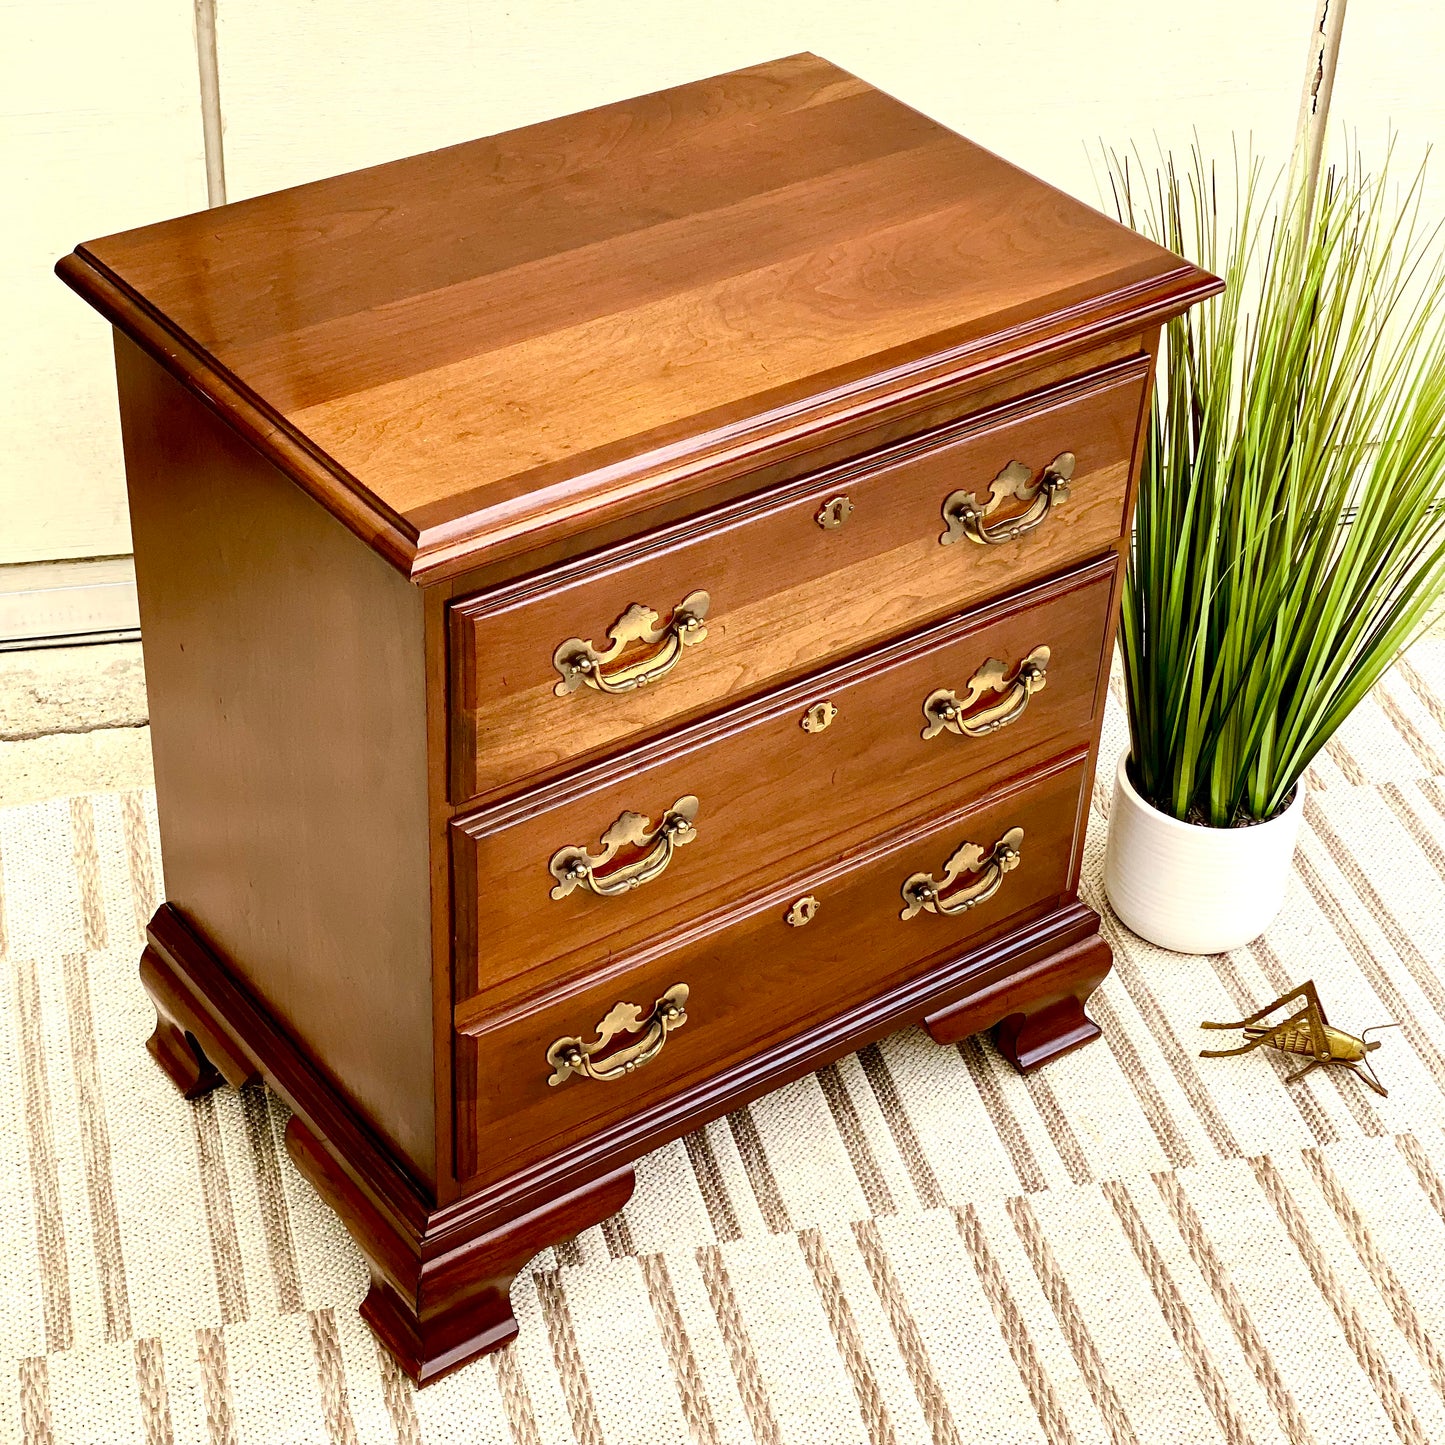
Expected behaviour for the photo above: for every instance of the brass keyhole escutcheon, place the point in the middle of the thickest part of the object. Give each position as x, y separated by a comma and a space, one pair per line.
818, 717
835, 511
802, 912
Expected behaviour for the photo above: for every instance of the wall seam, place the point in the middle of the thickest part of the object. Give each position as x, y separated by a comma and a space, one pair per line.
210, 78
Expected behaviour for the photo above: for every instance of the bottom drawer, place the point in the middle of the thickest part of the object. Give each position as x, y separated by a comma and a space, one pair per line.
722, 989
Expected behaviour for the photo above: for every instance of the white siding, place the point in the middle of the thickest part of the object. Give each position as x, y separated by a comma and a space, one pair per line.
98, 132
100, 129
355, 82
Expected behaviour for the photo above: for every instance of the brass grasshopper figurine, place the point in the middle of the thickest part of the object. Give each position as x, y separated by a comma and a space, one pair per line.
1306, 1032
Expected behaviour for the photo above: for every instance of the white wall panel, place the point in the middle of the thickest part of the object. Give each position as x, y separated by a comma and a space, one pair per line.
1388, 85
98, 131
1389, 81
323, 86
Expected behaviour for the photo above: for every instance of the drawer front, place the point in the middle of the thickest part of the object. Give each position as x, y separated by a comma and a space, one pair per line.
754, 978
760, 791
620, 645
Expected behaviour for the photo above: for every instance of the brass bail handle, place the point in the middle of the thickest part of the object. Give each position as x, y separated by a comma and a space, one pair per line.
922, 892
582, 663
569, 1056
576, 867
944, 710
966, 516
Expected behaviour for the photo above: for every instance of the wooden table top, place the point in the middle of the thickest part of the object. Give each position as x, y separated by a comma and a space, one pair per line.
470, 349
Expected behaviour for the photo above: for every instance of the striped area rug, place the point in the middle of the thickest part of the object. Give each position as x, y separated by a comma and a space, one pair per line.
913, 1245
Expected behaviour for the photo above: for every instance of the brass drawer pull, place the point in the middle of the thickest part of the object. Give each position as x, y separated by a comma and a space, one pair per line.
945, 710
965, 517
581, 662
575, 867
572, 1056
924, 892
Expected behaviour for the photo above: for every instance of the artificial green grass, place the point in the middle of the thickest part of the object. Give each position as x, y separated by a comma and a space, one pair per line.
1289, 538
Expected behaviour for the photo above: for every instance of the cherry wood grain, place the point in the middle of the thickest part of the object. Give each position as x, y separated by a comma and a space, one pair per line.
229, 1028
786, 594
287, 706
692, 338
825, 441
465, 353
772, 796
1038, 1010
754, 978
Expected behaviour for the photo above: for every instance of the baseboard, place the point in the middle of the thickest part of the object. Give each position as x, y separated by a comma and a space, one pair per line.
68, 604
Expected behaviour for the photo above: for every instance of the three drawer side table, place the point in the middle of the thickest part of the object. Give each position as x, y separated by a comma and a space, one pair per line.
627, 607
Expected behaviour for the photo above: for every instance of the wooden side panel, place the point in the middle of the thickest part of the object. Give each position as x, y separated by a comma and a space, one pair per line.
286, 673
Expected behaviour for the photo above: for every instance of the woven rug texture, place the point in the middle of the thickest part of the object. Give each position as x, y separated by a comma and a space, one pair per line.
914, 1246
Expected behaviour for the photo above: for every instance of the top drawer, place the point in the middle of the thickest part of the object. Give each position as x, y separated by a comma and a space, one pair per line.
620, 644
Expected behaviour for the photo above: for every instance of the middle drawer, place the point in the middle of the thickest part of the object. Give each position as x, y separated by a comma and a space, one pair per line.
756, 792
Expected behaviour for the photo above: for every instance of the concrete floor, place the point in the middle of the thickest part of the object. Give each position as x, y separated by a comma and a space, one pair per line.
72, 720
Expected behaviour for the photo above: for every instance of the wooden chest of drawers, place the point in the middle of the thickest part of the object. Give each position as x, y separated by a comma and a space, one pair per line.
626, 608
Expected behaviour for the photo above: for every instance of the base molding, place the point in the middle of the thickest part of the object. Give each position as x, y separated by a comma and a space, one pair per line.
196, 1056
441, 1273
451, 1301
1042, 1006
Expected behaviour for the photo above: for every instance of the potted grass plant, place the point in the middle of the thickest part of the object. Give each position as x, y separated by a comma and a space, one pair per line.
1289, 538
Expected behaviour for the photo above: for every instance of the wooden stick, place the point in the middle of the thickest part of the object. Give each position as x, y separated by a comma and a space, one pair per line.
1321, 59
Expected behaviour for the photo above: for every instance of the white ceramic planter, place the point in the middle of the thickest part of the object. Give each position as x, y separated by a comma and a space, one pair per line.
1194, 889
